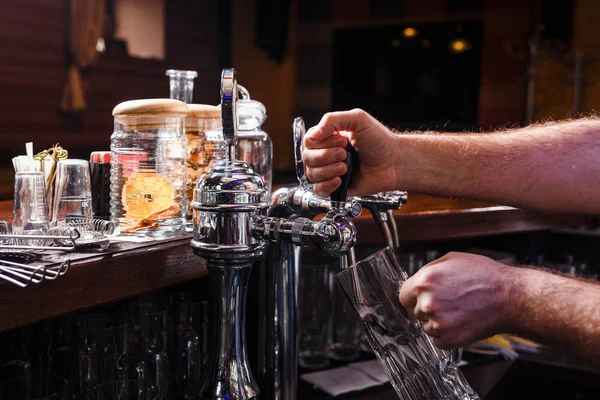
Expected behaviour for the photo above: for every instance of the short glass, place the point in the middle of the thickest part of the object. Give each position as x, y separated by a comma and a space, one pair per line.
415, 367
73, 192
30, 212
315, 311
344, 330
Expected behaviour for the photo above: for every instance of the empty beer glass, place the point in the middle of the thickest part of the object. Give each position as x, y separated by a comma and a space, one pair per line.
73, 192
416, 368
315, 313
344, 330
30, 213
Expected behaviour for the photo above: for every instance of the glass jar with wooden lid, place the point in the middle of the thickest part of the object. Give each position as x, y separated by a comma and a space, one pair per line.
205, 144
148, 167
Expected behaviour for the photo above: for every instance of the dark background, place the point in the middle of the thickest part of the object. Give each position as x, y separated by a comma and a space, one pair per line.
305, 58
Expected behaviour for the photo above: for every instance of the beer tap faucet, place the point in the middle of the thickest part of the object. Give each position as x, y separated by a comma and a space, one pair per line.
382, 206
278, 371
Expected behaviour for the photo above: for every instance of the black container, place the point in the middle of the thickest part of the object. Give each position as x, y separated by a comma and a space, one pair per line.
100, 178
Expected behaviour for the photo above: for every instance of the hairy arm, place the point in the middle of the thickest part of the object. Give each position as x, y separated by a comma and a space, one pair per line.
553, 166
461, 298
558, 311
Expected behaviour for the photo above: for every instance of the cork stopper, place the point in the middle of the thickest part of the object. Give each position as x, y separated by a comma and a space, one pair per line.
151, 108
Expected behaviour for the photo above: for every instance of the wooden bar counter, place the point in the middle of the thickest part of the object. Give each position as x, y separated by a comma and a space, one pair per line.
127, 269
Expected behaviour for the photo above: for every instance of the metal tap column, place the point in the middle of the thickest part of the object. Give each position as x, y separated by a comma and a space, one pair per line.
278, 345
278, 375
231, 231
226, 200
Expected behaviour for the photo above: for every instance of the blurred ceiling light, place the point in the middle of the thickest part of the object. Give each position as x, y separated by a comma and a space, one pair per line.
100, 45
458, 46
410, 32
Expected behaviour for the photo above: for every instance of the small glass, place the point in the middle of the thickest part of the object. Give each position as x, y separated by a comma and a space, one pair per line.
30, 212
315, 311
190, 343
101, 347
344, 329
181, 84
73, 192
416, 368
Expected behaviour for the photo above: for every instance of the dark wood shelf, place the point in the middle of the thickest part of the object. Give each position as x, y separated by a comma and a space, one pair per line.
429, 218
124, 270
127, 269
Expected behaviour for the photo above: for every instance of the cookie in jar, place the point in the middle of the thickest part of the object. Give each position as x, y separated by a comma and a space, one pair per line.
205, 145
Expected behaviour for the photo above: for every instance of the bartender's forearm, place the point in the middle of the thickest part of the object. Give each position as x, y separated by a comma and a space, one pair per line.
559, 311
554, 167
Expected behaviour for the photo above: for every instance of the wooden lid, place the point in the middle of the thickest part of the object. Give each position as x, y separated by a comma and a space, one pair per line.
204, 111
151, 108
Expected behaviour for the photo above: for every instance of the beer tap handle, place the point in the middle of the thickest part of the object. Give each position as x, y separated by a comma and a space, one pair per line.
340, 195
299, 129
229, 97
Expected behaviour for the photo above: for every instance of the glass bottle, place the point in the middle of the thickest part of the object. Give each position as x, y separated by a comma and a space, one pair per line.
254, 144
148, 167
181, 84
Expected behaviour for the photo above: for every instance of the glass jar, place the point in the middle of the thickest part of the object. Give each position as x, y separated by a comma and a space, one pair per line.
181, 84
254, 145
148, 167
205, 145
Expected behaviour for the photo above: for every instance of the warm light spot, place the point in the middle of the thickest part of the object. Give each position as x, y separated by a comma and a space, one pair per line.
459, 46
100, 45
410, 32
395, 43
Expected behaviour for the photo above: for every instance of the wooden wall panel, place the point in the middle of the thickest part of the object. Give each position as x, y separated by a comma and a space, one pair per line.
32, 73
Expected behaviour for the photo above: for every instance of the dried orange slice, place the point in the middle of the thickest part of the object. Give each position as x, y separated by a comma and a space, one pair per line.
146, 192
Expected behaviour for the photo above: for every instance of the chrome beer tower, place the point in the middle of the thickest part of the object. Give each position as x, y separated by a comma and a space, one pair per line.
231, 232
279, 347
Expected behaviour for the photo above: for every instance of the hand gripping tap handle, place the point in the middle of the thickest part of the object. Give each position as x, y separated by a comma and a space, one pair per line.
340, 195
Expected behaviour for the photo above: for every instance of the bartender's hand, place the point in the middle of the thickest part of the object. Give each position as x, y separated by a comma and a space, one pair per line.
460, 298
376, 146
